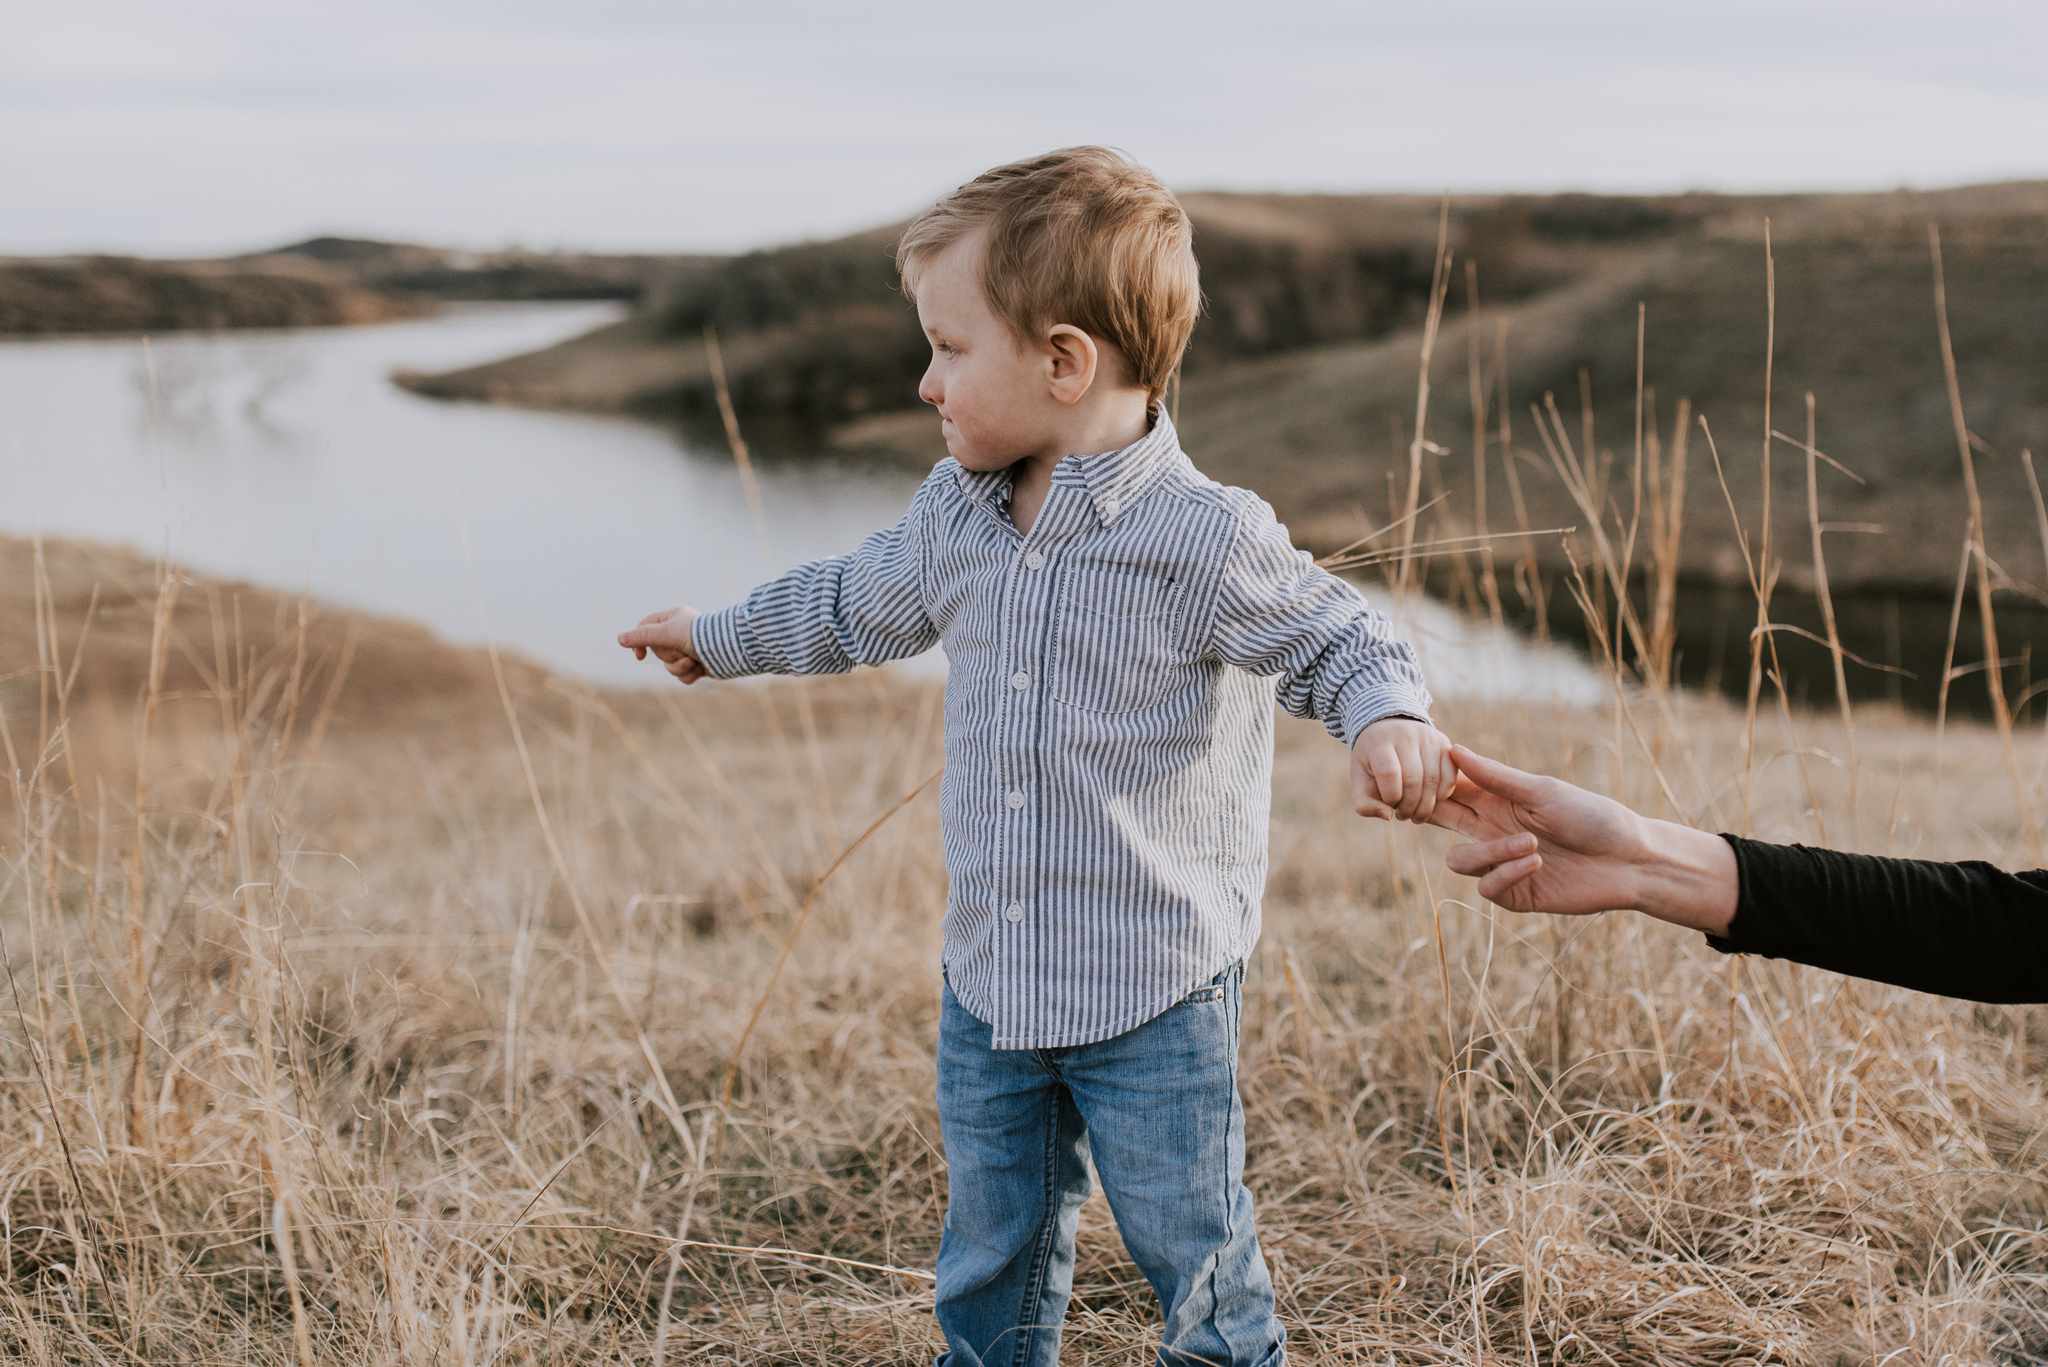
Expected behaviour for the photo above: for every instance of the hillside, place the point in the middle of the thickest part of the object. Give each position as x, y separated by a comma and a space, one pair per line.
819, 331
1301, 380
322, 282
407, 270
121, 294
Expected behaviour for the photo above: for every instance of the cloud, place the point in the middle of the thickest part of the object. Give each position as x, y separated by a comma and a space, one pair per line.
217, 125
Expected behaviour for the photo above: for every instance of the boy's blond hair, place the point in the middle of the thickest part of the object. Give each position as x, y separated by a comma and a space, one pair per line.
1083, 236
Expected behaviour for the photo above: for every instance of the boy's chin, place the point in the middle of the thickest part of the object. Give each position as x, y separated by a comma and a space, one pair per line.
981, 462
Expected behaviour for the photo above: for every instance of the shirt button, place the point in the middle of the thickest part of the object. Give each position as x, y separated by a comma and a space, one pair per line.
1034, 561
1016, 800
1020, 681
1111, 507
1015, 912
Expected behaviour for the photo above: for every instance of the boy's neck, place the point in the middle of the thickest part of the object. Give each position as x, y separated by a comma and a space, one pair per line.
1117, 421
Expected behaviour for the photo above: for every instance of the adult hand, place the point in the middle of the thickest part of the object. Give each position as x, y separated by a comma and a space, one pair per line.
1541, 844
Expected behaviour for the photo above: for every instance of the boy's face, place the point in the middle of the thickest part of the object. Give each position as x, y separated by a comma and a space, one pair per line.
993, 395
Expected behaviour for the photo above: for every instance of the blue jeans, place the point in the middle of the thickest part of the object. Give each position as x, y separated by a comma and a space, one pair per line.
1157, 1108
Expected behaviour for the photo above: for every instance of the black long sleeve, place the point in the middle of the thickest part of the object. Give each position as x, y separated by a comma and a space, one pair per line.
1966, 930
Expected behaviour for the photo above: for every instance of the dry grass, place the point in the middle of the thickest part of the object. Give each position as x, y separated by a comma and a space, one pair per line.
345, 1075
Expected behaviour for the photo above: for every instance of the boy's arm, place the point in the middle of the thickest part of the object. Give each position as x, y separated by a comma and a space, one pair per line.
830, 615
1278, 612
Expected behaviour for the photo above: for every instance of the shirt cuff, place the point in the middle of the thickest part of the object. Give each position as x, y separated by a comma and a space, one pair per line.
1362, 703
719, 639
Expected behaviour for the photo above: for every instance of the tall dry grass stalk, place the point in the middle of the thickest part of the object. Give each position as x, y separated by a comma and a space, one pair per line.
1439, 287
1994, 667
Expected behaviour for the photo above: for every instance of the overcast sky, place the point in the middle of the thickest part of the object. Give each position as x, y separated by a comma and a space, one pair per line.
223, 125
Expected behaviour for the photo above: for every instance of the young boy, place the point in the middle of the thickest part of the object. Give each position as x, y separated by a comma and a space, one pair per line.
1116, 627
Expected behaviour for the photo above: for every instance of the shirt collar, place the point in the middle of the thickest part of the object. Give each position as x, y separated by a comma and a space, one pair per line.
1114, 481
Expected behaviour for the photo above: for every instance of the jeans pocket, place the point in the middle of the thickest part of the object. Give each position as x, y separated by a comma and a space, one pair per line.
1207, 992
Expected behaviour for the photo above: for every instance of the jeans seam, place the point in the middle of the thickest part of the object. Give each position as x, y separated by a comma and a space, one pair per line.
1229, 1190
1048, 1231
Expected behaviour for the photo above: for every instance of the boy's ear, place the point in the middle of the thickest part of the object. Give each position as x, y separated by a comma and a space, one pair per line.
1072, 362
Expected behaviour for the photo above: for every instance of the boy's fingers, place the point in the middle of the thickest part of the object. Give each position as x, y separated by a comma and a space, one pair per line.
1365, 795
1384, 763
1414, 785
1437, 787
1428, 781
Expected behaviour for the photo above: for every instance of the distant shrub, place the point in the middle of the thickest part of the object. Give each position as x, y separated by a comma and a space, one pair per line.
787, 285
1602, 217
844, 340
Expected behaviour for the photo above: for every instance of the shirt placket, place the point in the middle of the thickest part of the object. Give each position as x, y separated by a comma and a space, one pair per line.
1026, 610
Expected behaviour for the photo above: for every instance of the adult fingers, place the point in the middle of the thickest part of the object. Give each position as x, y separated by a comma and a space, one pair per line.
1459, 813
1482, 857
1508, 875
1496, 777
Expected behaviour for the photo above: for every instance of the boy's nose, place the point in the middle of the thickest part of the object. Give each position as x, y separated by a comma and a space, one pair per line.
929, 389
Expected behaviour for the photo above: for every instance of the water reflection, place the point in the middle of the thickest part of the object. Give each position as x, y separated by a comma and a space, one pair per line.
288, 459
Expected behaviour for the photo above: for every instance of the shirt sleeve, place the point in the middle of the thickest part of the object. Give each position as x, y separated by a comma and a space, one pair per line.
1967, 930
827, 616
1278, 612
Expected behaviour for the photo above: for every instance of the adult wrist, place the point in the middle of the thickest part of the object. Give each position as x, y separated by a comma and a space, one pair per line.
1686, 877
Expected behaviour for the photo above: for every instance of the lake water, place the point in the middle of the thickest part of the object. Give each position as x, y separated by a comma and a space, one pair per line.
289, 459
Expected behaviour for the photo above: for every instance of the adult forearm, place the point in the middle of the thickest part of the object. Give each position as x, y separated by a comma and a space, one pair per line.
1962, 930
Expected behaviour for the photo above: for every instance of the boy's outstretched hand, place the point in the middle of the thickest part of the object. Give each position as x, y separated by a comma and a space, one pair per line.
667, 635
1401, 768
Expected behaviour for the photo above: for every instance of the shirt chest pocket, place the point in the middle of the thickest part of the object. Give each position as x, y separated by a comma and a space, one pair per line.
1115, 645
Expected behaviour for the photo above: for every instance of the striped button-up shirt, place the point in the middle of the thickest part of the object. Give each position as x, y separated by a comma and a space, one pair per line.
1109, 716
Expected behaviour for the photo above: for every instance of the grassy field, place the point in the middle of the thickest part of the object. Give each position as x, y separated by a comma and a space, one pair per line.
368, 1004
371, 1000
